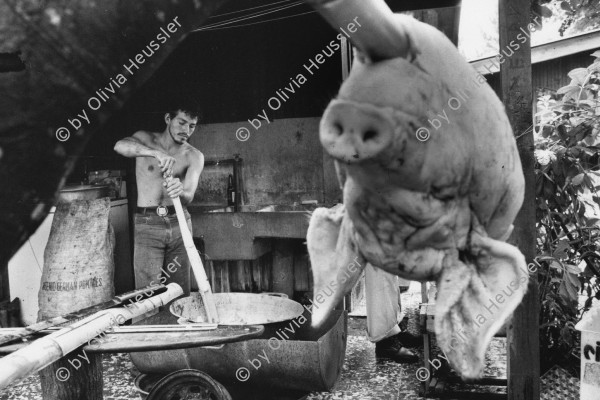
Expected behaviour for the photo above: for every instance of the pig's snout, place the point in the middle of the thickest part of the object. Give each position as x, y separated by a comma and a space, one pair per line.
353, 132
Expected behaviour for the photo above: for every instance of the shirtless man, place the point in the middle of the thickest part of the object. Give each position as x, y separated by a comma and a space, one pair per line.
159, 252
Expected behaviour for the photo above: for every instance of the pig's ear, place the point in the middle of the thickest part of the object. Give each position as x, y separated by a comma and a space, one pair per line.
477, 293
335, 263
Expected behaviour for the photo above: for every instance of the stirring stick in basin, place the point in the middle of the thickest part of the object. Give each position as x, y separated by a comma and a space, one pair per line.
195, 262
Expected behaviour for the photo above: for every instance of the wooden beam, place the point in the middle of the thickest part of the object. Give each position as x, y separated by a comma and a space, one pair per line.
516, 92
546, 52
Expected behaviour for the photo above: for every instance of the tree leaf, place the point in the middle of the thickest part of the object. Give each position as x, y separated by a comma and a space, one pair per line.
556, 265
566, 6
572, 269
578, 75
577, 179
545, 12
574, 280
567, 89
561, 249
592, 221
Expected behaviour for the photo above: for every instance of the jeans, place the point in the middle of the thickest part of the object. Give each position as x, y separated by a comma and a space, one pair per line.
159, 254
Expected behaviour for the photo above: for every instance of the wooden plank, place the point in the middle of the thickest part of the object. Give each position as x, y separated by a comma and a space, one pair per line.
261, 273
256, 274
546, 52
240, 276
10, 313
266, 265
301, 272
516, 91
221, 284
283, 266
444, 19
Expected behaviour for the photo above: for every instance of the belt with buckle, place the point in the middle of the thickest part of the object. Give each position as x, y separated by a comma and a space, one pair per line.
161, 211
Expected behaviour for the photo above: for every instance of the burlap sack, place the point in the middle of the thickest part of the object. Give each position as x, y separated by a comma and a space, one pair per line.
78, 259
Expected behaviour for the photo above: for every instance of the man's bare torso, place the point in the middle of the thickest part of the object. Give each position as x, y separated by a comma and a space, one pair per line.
151, 191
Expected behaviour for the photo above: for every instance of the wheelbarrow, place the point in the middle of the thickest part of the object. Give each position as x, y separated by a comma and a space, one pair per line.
262, 343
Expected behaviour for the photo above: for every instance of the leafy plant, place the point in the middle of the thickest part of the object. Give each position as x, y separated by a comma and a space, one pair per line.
576, 15
567, 152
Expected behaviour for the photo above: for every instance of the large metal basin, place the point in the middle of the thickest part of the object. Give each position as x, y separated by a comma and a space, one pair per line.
239, 308
299, 356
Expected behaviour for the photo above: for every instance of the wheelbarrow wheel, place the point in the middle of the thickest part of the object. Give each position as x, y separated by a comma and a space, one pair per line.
188, 384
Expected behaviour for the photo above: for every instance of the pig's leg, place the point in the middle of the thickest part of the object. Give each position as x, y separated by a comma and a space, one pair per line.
476, 294
336, 264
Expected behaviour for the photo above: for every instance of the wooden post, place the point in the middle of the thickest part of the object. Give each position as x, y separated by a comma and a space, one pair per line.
516, 92
4, 286
78, 375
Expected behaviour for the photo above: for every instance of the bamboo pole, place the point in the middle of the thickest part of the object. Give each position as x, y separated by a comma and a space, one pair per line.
53, 347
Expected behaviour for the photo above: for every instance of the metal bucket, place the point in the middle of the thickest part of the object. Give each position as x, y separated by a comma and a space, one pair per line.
238, 308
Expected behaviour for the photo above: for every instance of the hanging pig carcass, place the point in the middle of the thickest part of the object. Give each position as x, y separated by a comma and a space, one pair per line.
431, 180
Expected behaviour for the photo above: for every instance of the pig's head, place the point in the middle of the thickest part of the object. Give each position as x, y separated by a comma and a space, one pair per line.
430, 188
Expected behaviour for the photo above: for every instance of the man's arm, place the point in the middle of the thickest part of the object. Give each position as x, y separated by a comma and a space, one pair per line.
192, 177
186, 189
138, 145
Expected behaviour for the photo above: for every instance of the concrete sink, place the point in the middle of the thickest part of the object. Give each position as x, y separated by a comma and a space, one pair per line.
247, 235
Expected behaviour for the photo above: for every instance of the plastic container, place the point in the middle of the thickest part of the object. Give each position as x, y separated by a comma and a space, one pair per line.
590, 354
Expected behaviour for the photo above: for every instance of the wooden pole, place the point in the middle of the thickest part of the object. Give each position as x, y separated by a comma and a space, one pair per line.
516, 92
195, 262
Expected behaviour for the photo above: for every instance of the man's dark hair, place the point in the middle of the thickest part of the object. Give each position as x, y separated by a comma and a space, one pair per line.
189, 107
